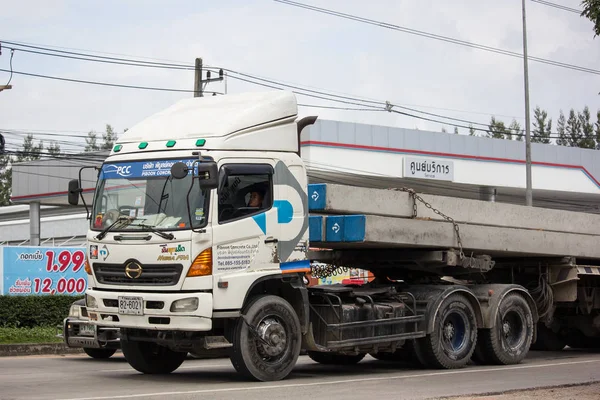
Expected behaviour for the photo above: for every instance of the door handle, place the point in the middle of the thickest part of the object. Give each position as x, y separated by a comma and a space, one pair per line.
271, 240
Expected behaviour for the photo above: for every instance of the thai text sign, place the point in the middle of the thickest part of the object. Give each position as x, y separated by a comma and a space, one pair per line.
44, 270
428, 168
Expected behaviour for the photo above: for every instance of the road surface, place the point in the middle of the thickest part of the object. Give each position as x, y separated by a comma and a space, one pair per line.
80, 377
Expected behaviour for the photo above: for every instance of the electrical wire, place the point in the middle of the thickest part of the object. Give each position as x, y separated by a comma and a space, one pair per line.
433, 36
104, 83
559, 6
257, 78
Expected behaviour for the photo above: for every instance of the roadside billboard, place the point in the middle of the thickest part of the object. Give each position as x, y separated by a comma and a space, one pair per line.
43, 271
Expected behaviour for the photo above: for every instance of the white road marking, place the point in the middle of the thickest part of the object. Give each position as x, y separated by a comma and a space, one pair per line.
338, 382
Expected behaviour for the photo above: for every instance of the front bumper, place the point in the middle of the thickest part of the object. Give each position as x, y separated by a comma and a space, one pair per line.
156, 311
101, 337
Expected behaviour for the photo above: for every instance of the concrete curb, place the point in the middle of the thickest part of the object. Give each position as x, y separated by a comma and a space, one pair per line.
29, 349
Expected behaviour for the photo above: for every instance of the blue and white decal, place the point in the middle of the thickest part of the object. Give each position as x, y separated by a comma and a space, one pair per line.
141, 169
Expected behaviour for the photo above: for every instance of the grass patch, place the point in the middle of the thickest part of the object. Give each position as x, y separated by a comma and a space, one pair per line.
38, 334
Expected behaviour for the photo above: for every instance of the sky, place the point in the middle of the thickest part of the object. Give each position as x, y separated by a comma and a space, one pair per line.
296, 46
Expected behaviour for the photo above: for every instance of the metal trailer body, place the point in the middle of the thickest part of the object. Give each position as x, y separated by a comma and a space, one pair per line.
203, 229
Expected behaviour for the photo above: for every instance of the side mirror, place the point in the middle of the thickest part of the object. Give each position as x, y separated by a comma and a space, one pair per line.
179, 170
74, 191
208, 175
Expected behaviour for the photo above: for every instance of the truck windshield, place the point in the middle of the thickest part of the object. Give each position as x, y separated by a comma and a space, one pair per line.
144, 194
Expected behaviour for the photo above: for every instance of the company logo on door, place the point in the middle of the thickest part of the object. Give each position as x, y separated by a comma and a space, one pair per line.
428, 168
171, 253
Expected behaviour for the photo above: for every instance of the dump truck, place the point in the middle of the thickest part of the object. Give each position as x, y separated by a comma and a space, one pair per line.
204, 227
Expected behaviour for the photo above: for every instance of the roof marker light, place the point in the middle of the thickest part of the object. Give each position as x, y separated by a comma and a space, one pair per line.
200, 142
117, 148
143, 145
171, 143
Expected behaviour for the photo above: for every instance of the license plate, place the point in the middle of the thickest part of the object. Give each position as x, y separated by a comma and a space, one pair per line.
86, 330
131, 305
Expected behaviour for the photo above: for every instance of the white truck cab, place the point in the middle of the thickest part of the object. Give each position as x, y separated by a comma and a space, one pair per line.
196, 209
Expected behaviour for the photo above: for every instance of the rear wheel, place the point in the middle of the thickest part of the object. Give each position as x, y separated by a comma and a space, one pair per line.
509, 340
99, 353
266, 341
452, 342
335, 358
150, 358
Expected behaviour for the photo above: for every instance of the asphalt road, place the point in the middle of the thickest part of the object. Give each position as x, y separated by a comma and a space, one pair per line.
80, 377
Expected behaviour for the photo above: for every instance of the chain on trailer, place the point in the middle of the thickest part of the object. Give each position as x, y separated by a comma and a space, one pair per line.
416, 198
327, 270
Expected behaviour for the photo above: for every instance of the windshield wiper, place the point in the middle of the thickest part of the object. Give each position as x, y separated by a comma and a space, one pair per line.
152, 229
102, 234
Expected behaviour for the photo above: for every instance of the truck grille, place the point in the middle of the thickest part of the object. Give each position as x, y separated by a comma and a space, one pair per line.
152, 274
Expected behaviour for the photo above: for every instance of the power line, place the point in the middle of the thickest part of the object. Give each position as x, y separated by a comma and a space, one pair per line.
102, 83
442, 38
283, 84
559, 6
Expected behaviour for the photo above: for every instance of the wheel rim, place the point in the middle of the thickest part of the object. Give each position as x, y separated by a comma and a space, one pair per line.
512, 330
454, 332
272, 341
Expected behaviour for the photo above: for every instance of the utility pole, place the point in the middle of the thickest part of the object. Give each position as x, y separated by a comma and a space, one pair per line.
5, 87
198, 81
528, 189
198, 78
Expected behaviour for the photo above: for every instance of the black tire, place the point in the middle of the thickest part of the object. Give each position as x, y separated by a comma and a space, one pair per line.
274, 316
335, 358
99, 353
508, 342
547, 340
454, 336
150, 358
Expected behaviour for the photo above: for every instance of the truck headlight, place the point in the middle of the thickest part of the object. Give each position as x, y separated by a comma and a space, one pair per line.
75, 311
90, 301
185, 305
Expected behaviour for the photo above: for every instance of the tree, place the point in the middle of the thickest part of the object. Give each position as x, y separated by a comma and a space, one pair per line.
573, 129
515, 131
5, 180
91, 142
560, 128
53, 149
588, 139
109, 138
542, 128
591, 10
444, 129
472, 131
497, 129
29, 151
456, 130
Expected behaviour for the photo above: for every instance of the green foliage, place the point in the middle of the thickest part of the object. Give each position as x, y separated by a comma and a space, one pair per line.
35, 310
542, 127
53, 149
38, 334
591, 10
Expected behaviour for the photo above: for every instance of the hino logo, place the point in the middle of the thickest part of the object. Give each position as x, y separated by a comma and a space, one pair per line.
133, 270
121, 170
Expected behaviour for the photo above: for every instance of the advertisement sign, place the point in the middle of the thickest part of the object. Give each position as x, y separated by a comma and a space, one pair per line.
44, 270
428, 168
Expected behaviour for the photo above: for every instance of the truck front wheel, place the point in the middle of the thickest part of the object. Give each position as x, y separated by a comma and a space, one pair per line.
150, 358
266, 339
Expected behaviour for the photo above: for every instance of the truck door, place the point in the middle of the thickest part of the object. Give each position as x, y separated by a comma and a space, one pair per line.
244, 220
